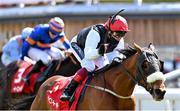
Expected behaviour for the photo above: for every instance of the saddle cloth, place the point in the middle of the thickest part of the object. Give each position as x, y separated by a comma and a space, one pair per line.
18, 85
53, 95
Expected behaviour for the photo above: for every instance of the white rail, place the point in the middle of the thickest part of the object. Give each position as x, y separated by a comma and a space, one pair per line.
173, 74
145, 102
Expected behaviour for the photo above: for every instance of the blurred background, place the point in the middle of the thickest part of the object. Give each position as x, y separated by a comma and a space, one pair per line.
150, 21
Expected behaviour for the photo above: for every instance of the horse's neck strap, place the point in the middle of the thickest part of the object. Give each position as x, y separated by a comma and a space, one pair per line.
109, 91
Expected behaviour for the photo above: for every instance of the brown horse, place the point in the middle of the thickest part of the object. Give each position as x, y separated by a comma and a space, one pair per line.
23, 101
112, 89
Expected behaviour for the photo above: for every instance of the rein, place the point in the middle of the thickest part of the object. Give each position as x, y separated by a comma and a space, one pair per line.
139, 75
135, 79
109, 91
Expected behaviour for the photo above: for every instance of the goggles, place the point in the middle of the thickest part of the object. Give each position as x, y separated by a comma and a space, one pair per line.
54, 32
119, 34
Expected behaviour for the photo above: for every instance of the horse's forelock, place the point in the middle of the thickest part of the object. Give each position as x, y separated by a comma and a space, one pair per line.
128, 52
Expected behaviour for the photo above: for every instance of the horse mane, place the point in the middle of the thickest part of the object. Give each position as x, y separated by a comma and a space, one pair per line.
23, 103
128, 52
5, 73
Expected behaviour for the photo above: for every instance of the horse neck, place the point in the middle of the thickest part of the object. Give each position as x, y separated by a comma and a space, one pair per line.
118, 79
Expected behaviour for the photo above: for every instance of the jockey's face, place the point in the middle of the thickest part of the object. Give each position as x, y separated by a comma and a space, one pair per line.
117, 35
52, 35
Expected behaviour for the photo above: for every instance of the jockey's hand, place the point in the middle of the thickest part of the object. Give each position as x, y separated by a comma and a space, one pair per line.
67, 53
19, 62
102, 49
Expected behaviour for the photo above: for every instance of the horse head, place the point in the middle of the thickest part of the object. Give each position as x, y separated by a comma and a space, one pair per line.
149, 72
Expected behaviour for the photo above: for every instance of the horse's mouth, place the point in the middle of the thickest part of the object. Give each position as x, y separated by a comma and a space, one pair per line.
158, 94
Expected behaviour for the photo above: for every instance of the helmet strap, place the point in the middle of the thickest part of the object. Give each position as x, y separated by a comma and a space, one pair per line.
109, 34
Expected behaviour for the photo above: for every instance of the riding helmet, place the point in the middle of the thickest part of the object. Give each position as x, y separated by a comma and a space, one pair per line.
117, 24
56, 25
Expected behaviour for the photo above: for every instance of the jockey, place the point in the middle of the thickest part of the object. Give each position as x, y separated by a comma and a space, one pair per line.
12, 49
95, 47
38, 46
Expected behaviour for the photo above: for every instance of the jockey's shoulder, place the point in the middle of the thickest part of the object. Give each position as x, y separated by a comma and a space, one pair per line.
15, 37
41, 27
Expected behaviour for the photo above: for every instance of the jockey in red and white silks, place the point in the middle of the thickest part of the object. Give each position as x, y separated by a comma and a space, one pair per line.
95, 46
92, 58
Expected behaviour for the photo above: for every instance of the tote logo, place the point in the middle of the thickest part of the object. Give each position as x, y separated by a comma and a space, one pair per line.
53, 103
18, 88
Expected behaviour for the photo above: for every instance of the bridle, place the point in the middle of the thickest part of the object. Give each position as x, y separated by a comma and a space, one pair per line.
141, 75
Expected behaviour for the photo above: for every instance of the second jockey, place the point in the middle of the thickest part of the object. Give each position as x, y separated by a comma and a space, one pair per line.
38, 46
95, 46
11, 51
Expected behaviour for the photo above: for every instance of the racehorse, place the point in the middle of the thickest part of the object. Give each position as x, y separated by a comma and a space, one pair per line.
113, 88
23, 101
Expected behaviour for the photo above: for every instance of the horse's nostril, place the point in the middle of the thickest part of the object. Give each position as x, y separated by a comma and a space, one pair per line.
163, 93
160, 93
157, 91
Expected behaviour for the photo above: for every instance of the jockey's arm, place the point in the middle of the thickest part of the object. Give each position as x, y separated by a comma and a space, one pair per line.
119, 47
25, 49
26, 46
120, 44
92, 40
30, 41
58, 44
65, 42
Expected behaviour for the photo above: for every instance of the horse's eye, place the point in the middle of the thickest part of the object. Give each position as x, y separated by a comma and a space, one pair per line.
161, 66
145, 65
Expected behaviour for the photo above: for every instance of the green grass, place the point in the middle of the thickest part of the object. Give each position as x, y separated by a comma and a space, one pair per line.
145, 1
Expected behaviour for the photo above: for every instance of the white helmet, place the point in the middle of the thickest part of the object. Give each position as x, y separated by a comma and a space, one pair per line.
26, 32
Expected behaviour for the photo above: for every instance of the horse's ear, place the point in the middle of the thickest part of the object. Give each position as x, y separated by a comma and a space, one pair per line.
151, 47
137, 47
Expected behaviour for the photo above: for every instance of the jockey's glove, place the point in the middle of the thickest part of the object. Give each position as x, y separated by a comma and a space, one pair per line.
122, 56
